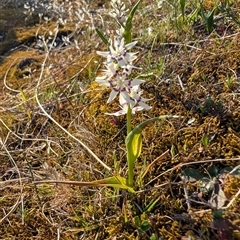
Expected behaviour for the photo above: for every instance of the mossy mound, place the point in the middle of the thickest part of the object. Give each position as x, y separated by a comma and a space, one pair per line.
194, 74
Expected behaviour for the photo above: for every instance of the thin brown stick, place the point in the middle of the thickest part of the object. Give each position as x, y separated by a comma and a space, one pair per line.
191, 163
161, 157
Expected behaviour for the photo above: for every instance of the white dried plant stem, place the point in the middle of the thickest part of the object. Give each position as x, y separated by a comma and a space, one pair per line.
5, 78
20, 183
53, 120
12, 209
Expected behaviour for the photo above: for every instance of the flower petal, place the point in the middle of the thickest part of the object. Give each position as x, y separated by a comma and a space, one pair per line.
144, 105
113, 94
130, 45
136, 109
135, 82
127, 98
103, 54
118, 113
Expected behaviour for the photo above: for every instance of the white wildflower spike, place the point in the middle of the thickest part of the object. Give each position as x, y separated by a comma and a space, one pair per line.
135, 94
124, 104
118, 53
119, 11
120, 31
116, 76
118, 82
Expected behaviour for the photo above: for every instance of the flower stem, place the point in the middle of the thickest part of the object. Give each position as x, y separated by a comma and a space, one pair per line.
129, 129
129, 119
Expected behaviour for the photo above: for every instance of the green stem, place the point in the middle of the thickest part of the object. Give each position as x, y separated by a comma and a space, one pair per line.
130, 170
129, 129
129, 119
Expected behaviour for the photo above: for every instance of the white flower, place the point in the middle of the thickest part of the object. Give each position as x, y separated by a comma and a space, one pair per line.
116, 76
124, 108
120, 31
118, 82
135, 94
119, 11
118, 53
159, 4
135, 98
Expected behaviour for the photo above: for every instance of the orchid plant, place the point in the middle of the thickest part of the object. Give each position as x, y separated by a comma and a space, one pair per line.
117, 77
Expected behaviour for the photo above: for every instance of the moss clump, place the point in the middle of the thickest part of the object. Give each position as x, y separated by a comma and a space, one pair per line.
195, 76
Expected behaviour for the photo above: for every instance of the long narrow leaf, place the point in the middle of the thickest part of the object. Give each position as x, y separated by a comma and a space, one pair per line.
128, 27
100, 34
133, 144
182, 4
210, 21
23, 95
114, 181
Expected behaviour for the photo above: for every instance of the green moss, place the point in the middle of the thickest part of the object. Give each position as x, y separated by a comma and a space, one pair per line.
200, 62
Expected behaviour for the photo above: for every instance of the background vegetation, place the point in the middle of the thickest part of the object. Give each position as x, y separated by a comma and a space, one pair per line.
189, 54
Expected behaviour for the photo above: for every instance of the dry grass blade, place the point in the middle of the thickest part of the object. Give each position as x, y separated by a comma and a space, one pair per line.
161, 157
180, 165
20, 183
52, 119
13, 208
53, 125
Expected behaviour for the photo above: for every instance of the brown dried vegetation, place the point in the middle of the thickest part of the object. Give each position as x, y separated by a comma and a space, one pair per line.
195, 75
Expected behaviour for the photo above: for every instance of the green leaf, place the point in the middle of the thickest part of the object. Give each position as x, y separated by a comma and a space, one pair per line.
210, 21
182, 5
203, 15
212, 171
137, 221
145, 75
154, 237
217, 214
208, 18
145, 226
194, 15
173, 151
23, 95
151, 205
193, 174
134, 148
233, 170
133, 144
100, 34
128, 27
205, 140
114, 181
